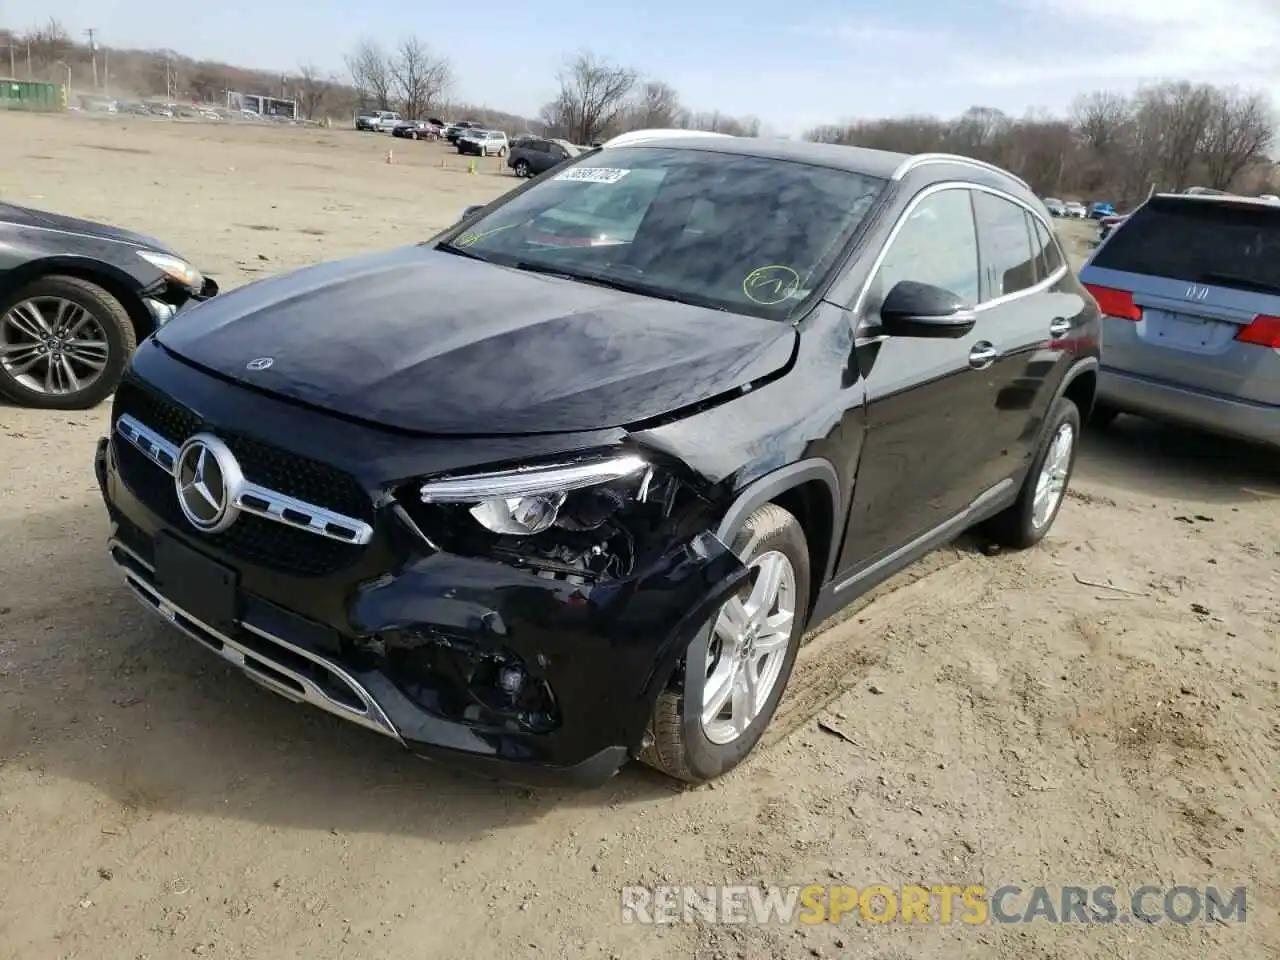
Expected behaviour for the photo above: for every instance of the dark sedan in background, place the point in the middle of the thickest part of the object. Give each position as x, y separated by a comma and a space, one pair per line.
76, 297
417, 130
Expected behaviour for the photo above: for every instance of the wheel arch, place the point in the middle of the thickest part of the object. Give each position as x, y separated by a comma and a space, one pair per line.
809, 490
1080, 386
115, 281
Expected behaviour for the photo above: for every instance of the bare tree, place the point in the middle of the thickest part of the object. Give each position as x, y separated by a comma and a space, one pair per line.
207, 83
419, 77
1240, 130
657, 106
1173, 118
314, 88
716, 122
593, 98
1101, 119
371, 73
48, 44
978, 132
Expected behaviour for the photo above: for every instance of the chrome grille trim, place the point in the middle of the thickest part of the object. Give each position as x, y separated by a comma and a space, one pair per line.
370, 715
250, 497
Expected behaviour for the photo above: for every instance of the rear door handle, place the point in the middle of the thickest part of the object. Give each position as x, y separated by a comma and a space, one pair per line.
982, 355
1059, 328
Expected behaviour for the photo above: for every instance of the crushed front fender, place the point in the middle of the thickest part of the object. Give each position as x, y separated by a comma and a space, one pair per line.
444, 629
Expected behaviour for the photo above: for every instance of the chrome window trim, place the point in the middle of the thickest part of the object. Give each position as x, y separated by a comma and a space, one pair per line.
923, 195
924, 159
162, 452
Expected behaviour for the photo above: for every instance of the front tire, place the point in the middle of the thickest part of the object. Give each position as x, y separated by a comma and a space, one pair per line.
522, 168
64, 343
1032, 515
737, 668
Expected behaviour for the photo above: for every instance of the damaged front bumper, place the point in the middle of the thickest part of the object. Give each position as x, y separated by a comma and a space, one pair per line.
466, 660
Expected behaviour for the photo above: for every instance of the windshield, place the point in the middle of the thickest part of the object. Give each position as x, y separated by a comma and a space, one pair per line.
748, 234
1198, 241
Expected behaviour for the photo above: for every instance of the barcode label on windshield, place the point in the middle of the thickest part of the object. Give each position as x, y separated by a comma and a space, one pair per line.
593, 175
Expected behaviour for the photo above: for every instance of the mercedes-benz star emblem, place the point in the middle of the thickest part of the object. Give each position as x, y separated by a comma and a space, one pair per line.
207, 477
260, 364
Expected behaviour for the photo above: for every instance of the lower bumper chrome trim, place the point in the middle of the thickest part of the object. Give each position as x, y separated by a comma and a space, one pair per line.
256, 660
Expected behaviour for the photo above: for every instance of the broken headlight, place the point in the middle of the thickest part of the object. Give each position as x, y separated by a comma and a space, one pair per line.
528, 501
581, 520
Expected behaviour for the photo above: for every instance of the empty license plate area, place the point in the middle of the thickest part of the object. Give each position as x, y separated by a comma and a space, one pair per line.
1186, 332
199, 585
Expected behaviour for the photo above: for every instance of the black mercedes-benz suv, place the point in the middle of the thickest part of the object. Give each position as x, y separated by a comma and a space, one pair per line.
565, 485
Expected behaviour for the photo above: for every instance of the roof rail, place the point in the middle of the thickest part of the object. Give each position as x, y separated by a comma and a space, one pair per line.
920, 159
640, 136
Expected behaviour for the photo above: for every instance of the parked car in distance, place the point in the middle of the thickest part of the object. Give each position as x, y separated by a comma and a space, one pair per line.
75, 299
1206, 192
483, 143
1190, 293
1077, 209
462, 127
1055, 206
378, 121
1100, 209
530, 156
577, 504
416, 130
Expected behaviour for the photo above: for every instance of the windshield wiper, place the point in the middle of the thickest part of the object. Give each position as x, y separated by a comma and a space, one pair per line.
624, 286
461, 252
1247, 283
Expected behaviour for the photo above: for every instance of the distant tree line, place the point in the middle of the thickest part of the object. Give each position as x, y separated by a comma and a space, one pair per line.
1115, 146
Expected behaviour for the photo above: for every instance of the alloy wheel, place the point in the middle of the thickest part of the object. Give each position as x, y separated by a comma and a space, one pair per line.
1052, 482
52, 345
748, 649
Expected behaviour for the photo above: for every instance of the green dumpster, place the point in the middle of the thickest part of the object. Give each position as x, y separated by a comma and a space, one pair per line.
28, 95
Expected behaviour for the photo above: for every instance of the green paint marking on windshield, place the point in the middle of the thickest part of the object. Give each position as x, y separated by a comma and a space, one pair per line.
472, 238
771, 284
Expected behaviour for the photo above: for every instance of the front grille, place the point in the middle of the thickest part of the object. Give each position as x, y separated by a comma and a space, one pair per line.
258, 541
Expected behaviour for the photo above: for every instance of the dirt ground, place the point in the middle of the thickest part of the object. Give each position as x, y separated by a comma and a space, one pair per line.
1007, 718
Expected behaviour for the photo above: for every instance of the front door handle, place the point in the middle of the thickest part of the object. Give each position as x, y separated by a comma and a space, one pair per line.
1059, 328
982, 355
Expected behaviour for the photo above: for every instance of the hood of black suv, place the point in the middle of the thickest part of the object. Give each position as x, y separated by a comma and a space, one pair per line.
430, 342
85, 228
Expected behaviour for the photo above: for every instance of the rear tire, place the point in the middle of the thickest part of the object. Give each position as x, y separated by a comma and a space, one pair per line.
522, 169
683, 746
107, 335
1031, 516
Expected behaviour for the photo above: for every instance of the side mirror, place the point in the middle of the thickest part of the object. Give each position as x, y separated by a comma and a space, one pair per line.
469, 210
922, 310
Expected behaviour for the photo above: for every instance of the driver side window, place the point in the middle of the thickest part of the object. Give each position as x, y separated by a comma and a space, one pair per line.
938, 245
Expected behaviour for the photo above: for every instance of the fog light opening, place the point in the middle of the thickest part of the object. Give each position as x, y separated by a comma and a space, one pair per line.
461, 681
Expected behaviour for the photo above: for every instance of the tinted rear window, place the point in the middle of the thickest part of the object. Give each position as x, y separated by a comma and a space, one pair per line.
1199, 242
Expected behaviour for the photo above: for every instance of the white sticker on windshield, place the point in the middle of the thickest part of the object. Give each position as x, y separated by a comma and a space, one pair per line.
593, 174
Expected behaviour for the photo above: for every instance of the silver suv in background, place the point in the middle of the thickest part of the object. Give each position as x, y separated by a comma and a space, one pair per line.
1189, 286
380, 121
483, 143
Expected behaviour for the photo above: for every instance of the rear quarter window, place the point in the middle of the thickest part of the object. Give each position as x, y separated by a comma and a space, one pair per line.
1199, 241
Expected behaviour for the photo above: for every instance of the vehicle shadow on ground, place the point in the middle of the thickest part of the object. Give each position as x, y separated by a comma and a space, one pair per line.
97, 690
1160, 460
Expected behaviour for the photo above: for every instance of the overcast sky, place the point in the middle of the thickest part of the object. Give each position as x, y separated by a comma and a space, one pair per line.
792, 64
